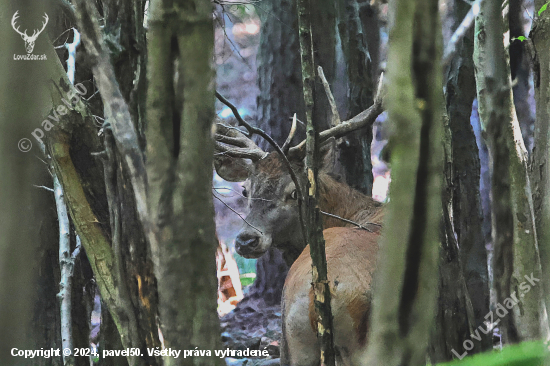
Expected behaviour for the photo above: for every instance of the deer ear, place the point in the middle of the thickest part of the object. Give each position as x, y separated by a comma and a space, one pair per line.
328, 154
233, 169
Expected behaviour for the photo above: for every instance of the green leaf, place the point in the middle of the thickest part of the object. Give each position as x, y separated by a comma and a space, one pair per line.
543, 8
521, 38
523, 354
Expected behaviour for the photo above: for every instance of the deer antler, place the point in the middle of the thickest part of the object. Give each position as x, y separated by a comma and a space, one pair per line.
363, 119
36, 31
13, 25
232, 142
291, 134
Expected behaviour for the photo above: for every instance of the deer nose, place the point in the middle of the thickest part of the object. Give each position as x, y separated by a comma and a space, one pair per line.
246, 242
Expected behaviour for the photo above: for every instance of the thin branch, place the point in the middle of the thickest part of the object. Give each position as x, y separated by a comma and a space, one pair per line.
217, 189
460, 32
78, 247
335, 115
66, 264
44, 187
298, 120
238, 214
350, 222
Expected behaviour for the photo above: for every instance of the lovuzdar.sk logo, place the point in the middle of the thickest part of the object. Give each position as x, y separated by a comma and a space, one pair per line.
29, 40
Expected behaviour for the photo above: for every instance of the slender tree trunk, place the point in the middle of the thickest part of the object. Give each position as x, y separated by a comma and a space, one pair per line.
314, 224
464, 183
514, 233
179, 166
355, 149
406, 288
520, 70
279, 78
540, 35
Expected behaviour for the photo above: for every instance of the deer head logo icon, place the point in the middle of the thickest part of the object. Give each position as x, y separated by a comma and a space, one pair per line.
29, 40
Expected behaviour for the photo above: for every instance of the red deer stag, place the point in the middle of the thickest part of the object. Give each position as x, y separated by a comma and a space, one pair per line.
273, 220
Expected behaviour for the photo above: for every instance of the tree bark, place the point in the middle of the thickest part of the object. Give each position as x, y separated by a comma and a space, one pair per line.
514, 233
179, 168
314, 223
464, 183
540, 58
405, 294
279, 78
520, 69
355, 149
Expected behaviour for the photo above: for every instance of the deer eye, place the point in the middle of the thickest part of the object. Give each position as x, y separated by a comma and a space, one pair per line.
294, 195
245, 192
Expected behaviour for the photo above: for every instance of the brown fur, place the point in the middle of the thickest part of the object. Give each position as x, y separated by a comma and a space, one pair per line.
340, 199
351, 258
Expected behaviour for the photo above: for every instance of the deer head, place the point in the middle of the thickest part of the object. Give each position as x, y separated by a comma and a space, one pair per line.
29, 40
273, 219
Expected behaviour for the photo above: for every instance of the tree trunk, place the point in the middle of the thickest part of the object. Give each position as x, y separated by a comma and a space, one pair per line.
314, 224
464, 183
179, 169
406, 287
540, 35
355, 148
455, 315
279, 73
520, 69
516, 255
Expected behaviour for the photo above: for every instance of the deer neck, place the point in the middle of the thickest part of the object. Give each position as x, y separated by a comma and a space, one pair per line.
339, 199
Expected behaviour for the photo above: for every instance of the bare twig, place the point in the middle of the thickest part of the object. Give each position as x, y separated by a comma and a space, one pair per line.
335, 115
44, 187
460, 32
78, 247
298, 120
351, 222
66, 264
238, 214
217, 189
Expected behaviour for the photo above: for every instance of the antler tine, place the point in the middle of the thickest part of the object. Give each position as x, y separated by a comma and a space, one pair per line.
13, 24
232, 142
286, 145
363, 119
45, 22
334, 110
36, 31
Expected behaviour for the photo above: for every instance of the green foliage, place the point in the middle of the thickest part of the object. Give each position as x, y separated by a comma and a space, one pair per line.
247, 280
543, 8
523, 354
520, 38
245, 265
243, 11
